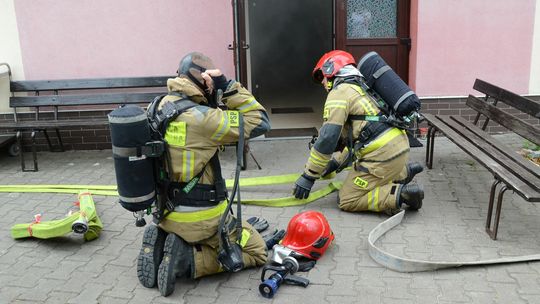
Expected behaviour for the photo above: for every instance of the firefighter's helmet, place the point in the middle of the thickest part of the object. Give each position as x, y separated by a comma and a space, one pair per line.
330, 63
192, 65
308, 234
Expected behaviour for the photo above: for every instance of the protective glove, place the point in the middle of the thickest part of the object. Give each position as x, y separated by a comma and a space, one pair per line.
273, 238
330, 168
220, 82
303, 186
259, 223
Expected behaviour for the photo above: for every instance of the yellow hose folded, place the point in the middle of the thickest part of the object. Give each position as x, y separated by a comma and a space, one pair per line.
86, 216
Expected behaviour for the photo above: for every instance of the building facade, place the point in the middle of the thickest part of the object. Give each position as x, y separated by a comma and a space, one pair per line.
445, 45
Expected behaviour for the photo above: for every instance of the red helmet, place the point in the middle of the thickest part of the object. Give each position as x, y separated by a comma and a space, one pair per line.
308, 234
330, 63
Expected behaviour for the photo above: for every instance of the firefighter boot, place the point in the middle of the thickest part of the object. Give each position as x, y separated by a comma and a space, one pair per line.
177, 262
412, 170
150, 255
411, 195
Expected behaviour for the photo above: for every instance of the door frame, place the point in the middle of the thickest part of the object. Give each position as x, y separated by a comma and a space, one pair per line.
402, 34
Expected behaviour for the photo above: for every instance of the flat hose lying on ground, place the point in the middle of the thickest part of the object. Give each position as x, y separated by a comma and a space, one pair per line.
400, 264
244, 182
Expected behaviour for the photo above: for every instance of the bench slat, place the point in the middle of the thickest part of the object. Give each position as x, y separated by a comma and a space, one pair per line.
525, 175
524, 190
46, 124
75, 100
90, 83
507, 120
524, 104
499, 146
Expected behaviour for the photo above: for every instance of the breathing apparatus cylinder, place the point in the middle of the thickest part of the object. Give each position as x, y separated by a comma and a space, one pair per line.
385, 82
130, 132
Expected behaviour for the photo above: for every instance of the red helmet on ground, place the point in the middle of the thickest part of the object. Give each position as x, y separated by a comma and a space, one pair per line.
308, 234
330, 63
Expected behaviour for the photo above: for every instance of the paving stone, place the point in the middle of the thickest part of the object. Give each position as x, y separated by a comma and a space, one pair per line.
450, 227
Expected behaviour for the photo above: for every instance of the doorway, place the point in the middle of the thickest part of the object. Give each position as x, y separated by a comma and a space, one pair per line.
286, 38
280, 42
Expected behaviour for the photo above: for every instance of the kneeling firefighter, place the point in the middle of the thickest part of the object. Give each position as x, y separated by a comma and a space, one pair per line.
196, 235
354, 128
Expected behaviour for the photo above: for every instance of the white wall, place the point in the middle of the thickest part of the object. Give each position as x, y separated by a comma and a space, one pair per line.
10, 52
534, 84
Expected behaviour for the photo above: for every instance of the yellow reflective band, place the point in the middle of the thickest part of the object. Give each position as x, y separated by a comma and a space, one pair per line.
359, 90
176, 134
326, 113
234, 118
376, 199
245, 237
188, 165
367, 106
222, 128
190, 217
248, 106
317, 160
361, 183
335, 107
370, 106
382, 140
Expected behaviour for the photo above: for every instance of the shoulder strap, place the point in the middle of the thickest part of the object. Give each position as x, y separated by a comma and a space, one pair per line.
160, 119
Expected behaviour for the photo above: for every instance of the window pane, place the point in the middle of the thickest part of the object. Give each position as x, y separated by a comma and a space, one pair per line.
371, 19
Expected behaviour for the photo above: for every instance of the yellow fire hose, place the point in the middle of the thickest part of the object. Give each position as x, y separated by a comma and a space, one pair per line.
111, 190
85, 221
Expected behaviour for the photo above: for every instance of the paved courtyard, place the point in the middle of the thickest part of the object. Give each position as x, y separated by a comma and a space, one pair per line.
450, 227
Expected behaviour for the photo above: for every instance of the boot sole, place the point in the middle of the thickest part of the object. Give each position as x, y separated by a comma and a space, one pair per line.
166, 275
150, 256
421, 195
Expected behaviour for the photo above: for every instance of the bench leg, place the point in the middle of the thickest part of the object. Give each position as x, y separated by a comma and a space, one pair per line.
60, 144
34, 154
493, 232
430, 145
60, 140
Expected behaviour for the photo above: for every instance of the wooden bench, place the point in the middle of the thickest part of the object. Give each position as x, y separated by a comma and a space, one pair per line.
510, 170
59, 96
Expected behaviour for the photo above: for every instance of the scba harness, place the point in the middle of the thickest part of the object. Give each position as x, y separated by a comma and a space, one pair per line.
134, 132
398, 109
143, 163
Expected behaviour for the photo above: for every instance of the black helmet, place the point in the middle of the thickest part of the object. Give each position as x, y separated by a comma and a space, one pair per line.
192, 65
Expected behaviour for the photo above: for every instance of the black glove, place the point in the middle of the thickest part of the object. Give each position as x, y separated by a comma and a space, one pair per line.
273, 238
302, 186
220, 82
259, 223
330, 167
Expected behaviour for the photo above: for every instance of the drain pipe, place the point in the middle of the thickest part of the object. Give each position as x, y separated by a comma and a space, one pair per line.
236, 42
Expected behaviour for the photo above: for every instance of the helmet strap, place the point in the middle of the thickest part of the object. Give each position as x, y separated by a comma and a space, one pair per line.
329, 84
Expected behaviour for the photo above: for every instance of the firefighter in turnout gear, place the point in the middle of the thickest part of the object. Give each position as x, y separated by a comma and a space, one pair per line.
379, 178
186, 241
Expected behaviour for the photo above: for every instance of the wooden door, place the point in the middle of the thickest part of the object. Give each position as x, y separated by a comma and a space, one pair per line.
382, 26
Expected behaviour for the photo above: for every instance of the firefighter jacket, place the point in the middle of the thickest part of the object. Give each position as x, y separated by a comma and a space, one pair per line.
195, 135
350, 99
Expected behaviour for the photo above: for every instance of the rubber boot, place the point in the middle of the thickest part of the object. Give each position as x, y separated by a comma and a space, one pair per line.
411, 195
177, 262
412, 170
150, 255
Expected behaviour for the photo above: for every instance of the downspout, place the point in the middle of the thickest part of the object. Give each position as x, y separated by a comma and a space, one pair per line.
236, 43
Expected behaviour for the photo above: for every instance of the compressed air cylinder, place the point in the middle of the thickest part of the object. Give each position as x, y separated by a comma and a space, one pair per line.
383, 80
130, 131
